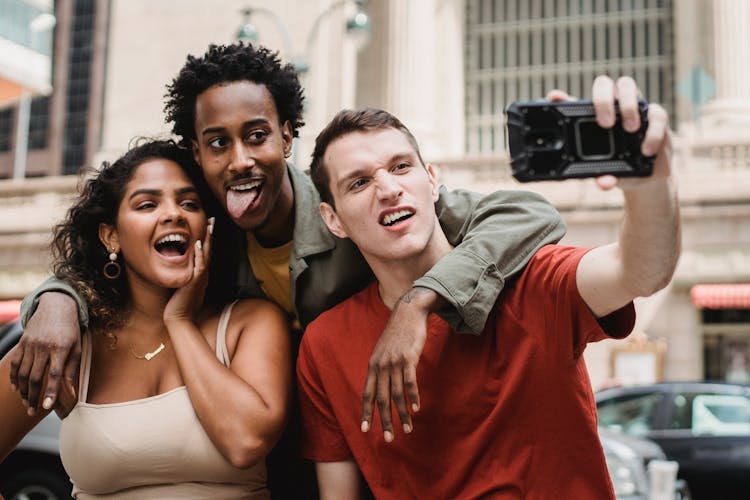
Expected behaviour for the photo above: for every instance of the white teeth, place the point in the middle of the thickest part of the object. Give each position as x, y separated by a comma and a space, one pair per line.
245, 187
390, 218
172, 237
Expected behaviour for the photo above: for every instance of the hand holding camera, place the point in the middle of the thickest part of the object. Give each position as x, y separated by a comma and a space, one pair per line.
614, 135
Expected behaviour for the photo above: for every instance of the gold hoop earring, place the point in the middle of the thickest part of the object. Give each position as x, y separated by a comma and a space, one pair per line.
112, 269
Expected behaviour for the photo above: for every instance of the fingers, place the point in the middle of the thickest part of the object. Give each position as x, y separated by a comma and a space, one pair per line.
603, 95
368, 398
16, 358
54, 377
627, 98
398, 395
61, 376
383, 399
36, 378
412, 389
24, 370
658, 127
558, 95
208, 240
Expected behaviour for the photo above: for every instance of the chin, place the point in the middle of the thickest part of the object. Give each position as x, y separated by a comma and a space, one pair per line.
177, 280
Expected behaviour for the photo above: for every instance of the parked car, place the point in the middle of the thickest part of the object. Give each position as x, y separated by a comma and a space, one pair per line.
703, 426
628, 459
33, 470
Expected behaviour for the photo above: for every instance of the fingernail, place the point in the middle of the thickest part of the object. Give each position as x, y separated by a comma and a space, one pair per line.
414, 407
47, 403
199, 244
13, 387
25, 402
407, 428
211, 221
388, 436
628, 124
365, 426
30, 412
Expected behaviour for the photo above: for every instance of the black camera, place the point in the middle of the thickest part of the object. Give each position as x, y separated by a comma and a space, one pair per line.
561, 140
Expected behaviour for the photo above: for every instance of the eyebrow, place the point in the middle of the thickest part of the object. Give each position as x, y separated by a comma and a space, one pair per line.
360, 172
251, 123
159, 192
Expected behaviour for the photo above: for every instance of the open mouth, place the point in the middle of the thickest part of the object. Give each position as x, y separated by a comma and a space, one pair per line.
393, 218
172, 245
242, 196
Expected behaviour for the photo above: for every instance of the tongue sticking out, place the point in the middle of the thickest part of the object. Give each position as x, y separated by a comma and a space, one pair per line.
238, 202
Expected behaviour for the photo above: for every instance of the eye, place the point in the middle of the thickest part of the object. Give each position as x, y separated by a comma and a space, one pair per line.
191, 205
145, 205
218, 142
359, 183
256, 136
401, 167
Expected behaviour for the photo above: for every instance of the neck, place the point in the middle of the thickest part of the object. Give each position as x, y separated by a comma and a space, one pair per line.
279, 227
396, 276
145, 317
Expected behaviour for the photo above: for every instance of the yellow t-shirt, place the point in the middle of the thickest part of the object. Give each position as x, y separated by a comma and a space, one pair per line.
271, 269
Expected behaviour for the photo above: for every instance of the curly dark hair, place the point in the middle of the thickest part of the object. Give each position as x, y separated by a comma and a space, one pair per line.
232, 63
78, 254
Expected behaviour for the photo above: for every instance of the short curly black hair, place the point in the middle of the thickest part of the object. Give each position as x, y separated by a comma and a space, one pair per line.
232, 63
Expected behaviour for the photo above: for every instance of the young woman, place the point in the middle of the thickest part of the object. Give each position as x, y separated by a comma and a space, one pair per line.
175, 398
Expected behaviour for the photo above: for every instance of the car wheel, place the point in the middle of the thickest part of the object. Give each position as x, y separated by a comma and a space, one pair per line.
37, 484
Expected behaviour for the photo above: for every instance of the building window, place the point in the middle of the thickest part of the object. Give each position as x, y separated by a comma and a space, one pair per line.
79, 81
520, 49
6, 129
39, 123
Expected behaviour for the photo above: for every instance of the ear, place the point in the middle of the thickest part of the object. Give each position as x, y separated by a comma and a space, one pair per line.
331, 218
433, 181
287, 137
196, 152
109, 238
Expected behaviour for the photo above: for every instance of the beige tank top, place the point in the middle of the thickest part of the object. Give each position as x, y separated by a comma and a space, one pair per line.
150, 448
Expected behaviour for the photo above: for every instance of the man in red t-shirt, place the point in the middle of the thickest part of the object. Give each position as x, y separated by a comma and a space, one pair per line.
520, 420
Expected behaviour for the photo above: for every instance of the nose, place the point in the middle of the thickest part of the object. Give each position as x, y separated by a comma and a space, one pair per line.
172, 213
242, 158
387, 186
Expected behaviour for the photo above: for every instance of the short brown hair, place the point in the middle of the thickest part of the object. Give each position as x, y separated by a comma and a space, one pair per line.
346, 122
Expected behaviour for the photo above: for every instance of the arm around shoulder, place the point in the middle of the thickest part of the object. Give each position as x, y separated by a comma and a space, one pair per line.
495, 236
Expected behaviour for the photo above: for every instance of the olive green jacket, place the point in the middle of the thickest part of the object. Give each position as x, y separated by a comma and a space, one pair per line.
495, 235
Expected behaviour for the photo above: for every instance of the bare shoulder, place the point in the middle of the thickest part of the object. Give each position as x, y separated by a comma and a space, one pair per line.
248, 312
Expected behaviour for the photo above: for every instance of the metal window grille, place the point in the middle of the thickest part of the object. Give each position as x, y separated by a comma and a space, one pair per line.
79, 82
520, 49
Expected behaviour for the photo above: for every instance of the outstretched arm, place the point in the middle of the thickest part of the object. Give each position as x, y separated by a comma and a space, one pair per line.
644, 258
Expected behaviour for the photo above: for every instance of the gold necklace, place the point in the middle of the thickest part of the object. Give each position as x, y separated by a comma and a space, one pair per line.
149, 355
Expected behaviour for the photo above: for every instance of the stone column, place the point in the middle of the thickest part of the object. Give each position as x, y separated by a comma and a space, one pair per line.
731, 107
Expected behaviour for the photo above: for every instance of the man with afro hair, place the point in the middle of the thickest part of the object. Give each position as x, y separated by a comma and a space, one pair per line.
238, 108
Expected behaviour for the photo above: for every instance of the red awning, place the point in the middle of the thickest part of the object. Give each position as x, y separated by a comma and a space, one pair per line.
726, 296
9, 310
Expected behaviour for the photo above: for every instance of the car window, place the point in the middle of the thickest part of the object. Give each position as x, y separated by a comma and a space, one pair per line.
632, 414
721, 415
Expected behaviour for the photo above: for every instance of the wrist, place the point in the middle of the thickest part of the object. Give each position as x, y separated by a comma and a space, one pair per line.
60, 302
424, 300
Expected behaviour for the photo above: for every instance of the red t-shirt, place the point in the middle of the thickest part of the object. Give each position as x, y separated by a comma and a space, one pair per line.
507, 414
